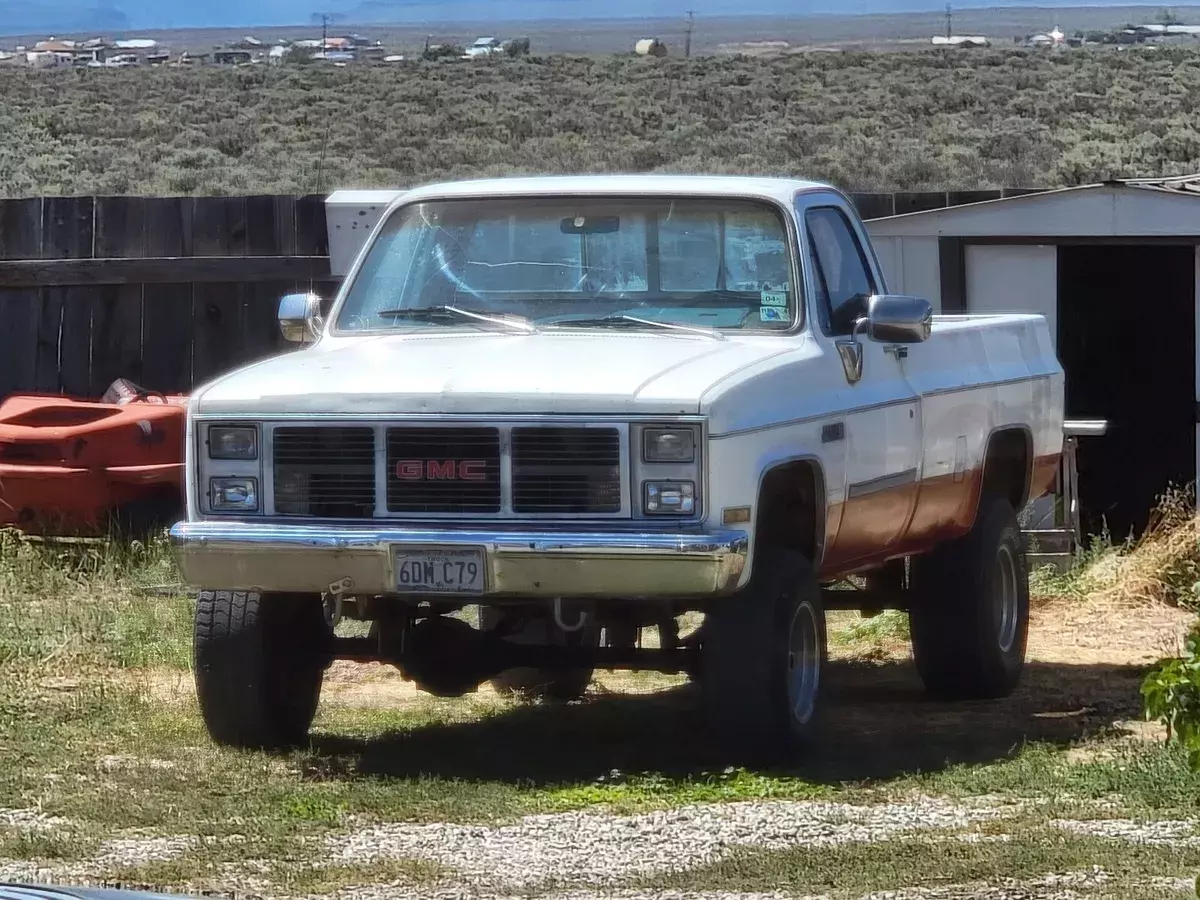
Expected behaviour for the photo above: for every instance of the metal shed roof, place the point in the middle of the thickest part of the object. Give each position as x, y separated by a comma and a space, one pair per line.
1132, 208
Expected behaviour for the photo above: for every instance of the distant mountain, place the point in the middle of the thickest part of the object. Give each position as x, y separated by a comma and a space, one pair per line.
36, 16
50, 16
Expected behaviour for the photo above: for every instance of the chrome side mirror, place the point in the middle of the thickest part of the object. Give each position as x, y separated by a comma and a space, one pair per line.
300, 318
896, 319
891, 319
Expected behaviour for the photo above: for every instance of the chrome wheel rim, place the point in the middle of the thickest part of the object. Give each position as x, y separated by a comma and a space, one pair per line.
1004, 598
804, 663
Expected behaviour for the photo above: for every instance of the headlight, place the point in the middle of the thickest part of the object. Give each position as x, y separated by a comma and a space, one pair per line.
669, 445
674, 498
232, 443
233, 494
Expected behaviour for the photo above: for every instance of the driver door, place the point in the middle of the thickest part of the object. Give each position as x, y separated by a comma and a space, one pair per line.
883, 415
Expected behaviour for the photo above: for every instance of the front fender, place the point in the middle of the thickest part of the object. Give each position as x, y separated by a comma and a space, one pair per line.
740, 464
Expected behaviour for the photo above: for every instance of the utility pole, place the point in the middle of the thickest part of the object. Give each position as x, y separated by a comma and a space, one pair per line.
949, 22
687, 41
325, 30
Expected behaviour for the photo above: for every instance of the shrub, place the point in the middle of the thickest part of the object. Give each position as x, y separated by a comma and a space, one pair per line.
1171, 695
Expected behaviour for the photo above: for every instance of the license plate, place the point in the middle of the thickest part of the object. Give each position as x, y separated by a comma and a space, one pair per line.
439, 571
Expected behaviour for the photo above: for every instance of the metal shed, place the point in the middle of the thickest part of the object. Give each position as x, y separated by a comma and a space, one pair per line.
1114, 269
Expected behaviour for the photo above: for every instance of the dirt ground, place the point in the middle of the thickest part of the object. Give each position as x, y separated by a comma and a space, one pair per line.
1086, 661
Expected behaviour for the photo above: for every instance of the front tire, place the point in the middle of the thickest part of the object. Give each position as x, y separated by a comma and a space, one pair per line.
970, 609
259, 660
763, 658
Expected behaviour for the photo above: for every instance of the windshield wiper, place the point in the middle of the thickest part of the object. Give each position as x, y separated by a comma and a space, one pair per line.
441, 313
621, 320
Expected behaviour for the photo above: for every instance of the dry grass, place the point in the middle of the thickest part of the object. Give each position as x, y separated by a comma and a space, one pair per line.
1160, 568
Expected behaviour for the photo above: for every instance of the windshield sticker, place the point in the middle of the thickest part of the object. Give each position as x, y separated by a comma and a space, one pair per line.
772, 314
774, 298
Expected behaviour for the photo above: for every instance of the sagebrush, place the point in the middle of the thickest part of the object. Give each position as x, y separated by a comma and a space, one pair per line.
865, 121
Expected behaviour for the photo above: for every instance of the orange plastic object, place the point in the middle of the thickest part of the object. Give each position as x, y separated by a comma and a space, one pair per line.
70, 466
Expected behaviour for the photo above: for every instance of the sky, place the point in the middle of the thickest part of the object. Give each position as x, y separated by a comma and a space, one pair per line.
73, 15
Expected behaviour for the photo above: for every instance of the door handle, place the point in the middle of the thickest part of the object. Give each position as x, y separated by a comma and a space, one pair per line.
897, 350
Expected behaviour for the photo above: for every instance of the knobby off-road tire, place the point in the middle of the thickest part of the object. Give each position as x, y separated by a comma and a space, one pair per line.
260, 660
970, 609
560, 686
763, 659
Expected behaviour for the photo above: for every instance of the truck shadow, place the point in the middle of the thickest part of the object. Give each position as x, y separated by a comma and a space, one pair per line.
879, 724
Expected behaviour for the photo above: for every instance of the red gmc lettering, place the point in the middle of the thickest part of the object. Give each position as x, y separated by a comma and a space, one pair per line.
439, 471
410, 470
472, 470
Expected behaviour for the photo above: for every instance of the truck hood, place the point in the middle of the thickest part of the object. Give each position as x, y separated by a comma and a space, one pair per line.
489, 374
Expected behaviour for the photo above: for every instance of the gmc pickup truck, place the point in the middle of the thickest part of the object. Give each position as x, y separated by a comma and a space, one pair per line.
543, 415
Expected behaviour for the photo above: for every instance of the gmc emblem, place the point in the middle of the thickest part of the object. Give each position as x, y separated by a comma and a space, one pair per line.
441, 470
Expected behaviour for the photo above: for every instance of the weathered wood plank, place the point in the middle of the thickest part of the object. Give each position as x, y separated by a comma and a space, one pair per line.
260, 321
19, 313
120, 227
116, 336
169, 226
48, 331
217, 329
219, 226
312, 237
75, 339
21, 229
270, 226
167, 338
68, 228
162, 270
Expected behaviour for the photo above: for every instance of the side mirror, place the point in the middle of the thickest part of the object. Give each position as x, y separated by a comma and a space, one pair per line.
896, 319
300, 318
891, 319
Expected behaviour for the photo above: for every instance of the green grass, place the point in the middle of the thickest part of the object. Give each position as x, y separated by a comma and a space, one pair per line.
68, 604
91, 731
852, 870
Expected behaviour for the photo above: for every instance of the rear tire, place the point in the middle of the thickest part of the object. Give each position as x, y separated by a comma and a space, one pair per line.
970, 609
260, 660
541, 684
763, 658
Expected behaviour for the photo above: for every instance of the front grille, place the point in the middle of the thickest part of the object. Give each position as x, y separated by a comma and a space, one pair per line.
443, 470
326, 473
566, 470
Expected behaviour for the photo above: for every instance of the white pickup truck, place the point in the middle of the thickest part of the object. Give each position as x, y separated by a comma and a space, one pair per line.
590, 405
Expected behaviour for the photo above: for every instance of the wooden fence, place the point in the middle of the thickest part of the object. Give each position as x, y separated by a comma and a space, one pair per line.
166, 291
171, 291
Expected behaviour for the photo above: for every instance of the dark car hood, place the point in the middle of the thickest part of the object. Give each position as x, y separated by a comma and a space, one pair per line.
67, 892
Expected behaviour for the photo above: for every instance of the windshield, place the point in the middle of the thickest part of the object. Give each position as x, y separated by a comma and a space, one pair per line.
594, 262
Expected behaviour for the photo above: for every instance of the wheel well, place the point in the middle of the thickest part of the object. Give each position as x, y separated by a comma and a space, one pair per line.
789, 507
1006, 467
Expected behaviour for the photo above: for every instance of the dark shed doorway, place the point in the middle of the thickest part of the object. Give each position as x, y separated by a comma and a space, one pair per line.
1127, 340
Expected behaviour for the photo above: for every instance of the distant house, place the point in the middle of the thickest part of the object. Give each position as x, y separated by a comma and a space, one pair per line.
232, 57
1053, 39
136, 44
650, 47
961, 41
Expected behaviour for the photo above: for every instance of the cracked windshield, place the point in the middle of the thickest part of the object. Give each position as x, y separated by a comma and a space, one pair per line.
587, 262
599, 450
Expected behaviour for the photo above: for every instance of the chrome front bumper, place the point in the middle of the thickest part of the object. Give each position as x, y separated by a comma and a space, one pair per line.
277, 557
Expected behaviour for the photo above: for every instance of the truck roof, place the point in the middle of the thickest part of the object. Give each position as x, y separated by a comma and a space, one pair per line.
779, 189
